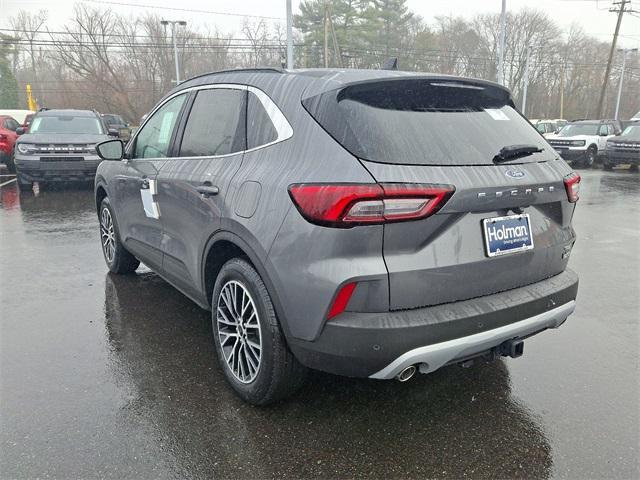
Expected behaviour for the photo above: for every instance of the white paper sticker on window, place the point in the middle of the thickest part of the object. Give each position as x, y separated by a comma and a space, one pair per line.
165, 128
496, 114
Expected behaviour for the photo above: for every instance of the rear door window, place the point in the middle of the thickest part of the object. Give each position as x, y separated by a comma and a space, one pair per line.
216, 124
260, 128
425, 122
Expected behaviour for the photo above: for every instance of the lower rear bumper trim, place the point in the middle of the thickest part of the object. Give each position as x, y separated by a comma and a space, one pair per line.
432, 357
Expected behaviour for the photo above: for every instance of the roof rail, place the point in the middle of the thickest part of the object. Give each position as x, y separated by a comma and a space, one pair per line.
238, 70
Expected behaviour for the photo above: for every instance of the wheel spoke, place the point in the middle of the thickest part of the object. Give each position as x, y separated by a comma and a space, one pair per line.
244, 356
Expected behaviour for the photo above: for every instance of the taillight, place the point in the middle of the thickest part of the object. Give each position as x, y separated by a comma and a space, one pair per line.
346, 205
572, 185
3, 137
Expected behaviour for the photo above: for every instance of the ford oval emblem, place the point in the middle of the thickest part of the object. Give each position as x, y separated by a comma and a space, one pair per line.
513, 173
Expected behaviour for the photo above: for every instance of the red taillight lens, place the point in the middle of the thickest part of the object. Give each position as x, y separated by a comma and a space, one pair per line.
342, 299
346, 205
572, 184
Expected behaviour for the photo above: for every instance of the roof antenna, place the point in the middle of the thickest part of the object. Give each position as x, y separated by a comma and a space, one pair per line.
390, 64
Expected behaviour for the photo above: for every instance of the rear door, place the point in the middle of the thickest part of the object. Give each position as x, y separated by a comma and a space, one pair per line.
447, 133
194, 184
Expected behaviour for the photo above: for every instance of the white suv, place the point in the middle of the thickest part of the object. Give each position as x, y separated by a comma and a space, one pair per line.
582, 142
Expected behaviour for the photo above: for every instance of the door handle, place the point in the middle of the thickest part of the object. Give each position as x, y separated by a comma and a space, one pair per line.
208, 190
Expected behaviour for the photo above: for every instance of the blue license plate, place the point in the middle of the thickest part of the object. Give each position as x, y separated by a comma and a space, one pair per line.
503, 235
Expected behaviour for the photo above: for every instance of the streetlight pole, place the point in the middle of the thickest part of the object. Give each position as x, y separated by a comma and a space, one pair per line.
526, 82
624, 64
173, 24
289, 36
503, 28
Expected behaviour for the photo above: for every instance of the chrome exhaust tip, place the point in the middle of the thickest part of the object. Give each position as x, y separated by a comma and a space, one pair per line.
406, 374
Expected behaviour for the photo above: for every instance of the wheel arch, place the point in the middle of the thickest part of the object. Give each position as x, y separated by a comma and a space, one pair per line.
225, 245
100, 194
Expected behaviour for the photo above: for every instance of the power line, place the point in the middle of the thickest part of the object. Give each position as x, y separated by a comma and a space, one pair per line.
179, 9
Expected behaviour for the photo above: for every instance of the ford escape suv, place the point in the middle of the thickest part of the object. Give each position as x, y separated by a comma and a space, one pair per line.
59, 146
364, 223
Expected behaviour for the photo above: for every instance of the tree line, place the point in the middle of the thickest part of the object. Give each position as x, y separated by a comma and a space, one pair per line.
122, 64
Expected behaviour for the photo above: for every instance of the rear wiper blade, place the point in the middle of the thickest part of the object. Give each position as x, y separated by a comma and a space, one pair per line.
511, 152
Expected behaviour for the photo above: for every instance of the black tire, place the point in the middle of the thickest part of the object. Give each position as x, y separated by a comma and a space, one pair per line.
11, 164
278, 374
118, 259
591, 157
23, 183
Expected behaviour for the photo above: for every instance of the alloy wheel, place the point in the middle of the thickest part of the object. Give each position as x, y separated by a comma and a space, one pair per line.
107, 234
239, 331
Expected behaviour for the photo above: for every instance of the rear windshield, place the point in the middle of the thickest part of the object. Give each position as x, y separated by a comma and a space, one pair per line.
425, 122
66, 124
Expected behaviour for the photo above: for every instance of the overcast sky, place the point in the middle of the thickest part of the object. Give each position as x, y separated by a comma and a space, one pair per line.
592, 15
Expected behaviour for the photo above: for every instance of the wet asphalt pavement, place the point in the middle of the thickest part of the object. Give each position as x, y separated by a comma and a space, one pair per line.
105, 376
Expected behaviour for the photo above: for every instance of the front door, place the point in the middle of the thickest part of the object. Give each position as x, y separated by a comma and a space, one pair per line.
193, 185
136, 185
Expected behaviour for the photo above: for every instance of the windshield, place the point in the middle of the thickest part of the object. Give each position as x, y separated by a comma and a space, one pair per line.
632, 132
579, 129
66, 124
424, 122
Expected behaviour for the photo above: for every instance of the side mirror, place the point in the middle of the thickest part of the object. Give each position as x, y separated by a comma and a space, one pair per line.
114, 132
111, 149
20, 130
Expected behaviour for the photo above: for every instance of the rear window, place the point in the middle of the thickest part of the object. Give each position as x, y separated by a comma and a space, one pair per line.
425, 122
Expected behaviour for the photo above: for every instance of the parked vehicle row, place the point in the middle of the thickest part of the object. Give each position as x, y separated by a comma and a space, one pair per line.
59, 146
583, 142
11, 128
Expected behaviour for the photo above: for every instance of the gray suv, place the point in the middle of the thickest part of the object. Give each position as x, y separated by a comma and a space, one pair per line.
365, 223
59, 146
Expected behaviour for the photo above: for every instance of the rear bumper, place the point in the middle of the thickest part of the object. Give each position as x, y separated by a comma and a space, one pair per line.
380, 345
63, 171
569, 154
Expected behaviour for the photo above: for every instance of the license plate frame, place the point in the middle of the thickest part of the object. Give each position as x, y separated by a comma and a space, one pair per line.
495, 247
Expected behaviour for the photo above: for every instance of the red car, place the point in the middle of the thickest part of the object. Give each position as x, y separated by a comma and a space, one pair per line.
8, 126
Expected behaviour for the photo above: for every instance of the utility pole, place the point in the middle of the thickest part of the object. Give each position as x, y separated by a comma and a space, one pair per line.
607, 71
289, 36
503, 32
173, 24
624, 64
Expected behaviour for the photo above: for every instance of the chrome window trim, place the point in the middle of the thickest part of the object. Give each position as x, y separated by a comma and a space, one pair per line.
280, 122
